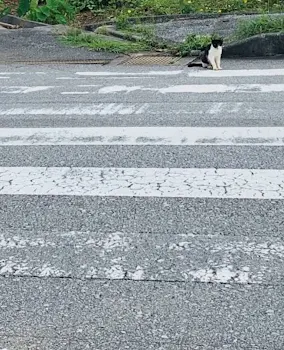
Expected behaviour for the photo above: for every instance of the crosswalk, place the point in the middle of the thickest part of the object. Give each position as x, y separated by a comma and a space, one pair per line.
172, 180
170, 176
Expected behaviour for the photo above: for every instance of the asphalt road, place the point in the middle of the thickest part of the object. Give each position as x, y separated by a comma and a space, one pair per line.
142, 208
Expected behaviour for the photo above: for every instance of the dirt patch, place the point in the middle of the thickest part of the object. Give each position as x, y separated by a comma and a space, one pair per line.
13, 4
87, 17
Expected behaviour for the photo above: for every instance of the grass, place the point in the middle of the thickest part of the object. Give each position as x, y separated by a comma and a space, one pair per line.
263, 24
100, 43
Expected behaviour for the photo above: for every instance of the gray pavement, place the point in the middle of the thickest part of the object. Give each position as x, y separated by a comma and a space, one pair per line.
40, 44
119, 272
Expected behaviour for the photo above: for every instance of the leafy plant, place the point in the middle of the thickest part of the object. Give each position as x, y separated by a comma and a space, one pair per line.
194, 42
121, 21
263, 24
33, 4
54, 12
23, 8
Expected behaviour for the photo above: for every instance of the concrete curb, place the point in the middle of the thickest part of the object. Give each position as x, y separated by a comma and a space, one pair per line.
263, 45
111, 31
23, 23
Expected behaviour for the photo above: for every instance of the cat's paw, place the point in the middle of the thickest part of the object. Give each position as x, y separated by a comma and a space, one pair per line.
220, 68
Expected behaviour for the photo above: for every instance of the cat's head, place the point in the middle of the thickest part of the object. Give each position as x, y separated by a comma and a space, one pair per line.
217, 42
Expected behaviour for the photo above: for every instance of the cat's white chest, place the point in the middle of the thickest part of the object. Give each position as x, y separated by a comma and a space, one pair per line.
215, 52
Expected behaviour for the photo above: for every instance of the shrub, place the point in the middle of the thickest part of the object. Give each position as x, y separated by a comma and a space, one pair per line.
54, 12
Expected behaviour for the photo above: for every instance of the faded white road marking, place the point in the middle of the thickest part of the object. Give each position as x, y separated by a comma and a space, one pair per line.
197, 88
111, 77
11, 73
69, 78
4, 77
121, 255
23, 89
95, 109
75, 93
154, 73
179, 136
216, 108
236, 73
143, 182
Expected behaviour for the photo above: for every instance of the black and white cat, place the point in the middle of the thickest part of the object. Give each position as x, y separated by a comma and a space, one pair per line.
211, 56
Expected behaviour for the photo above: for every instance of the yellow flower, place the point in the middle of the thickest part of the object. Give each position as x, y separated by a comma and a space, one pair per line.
219, 11
129, 11
201, 10
245, 1
189, 2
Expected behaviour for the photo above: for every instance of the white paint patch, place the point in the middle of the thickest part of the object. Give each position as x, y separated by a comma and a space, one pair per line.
199, 89
115, 272
143, 182
264, 250
91, 273
108, 77
154, 73
138, 275
49, 271
75, 93
178, 136
69, 78
23, 89
17, 242
4, 77
119, 88
216, 108
114, 241
95, 109
236, 73
219, 275
11, 73
89, 85
10, 267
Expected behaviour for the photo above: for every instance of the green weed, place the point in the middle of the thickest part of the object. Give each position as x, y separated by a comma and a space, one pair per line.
99, 43
263, 24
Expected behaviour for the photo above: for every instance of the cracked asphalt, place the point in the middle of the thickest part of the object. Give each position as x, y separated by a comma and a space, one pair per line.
133, 258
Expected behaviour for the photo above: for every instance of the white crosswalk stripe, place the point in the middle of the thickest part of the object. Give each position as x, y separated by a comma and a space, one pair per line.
178, 136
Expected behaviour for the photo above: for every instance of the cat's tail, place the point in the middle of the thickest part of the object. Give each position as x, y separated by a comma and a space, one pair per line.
194, 64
